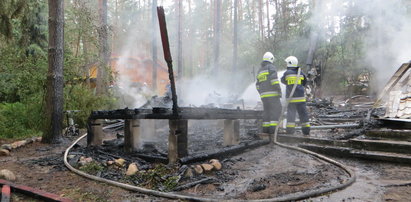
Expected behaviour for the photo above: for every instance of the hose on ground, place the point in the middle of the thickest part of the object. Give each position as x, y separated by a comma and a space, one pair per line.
345, 168
288, 197
170, 195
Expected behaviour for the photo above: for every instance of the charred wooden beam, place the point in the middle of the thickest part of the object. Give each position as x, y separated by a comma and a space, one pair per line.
167, 55
151, 158
396, 123
192, 184
32, 192
230, 151
183, 113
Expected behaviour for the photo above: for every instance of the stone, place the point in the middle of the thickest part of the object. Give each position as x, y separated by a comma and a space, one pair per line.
4, 152
110, 163
38, 139
120, 162
18, 144
198, 169
132, 169
207, 167
6, 146
7, 175
30, 140
189, 173
263, 136
74, 160
85, 160
216, 164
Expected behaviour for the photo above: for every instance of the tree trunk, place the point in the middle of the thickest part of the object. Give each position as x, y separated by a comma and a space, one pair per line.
86, 60
240, 10
217, 36
154, 44
53, 111
268, 18
235, 35
190, 37
180, 40
101, 87
260, 18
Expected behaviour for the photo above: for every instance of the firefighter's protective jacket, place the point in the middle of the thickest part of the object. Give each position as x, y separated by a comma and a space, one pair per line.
268, 84
289, 78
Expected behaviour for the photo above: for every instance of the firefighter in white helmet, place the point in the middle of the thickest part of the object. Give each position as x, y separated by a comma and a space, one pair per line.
268, 87
298, 100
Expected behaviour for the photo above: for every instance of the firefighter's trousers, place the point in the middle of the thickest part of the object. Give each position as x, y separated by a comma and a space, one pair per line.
301, 108
271, 114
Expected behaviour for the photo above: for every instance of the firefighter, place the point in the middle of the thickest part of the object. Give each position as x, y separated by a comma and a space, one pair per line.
268, 87
297, 103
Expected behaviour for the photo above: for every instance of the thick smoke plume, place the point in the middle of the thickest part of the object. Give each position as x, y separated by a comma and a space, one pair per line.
387, 25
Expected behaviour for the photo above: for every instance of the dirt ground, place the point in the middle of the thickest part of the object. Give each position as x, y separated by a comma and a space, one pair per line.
256, 174
261, 173
40, 166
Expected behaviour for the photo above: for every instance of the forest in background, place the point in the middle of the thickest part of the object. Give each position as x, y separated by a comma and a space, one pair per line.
352, 38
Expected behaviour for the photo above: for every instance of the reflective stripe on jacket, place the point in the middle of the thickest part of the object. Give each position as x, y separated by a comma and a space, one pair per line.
289, 79
267, 83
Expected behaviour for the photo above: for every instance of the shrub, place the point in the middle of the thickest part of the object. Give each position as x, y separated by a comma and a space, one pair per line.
18, 120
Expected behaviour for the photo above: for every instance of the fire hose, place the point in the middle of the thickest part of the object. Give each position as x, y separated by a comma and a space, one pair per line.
172, 195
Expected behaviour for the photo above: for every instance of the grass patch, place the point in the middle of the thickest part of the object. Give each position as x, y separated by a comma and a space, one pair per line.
79, 195
159, 178
92, 168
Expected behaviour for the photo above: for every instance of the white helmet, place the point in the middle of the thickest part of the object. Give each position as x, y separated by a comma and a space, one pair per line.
269, 57
291, 61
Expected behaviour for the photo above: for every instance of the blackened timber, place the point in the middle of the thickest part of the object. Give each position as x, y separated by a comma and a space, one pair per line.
167, 55
192, 184
183, 113
229, 151
151, 158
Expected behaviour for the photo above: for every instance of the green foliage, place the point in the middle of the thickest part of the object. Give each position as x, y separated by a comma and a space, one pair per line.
92, 168
18, 120
158, 178
21, 77
81, 97
10, 10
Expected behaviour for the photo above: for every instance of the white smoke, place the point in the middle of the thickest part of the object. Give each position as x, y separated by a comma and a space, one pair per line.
252, 98
203, 90
387, 24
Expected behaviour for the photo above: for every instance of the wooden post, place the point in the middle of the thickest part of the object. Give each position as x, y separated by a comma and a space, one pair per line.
131, 135
96, 138
177, 140
231, 132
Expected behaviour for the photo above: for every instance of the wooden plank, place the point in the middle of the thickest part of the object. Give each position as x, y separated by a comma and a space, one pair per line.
392, 82
5, 193
184, 113
29, 191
